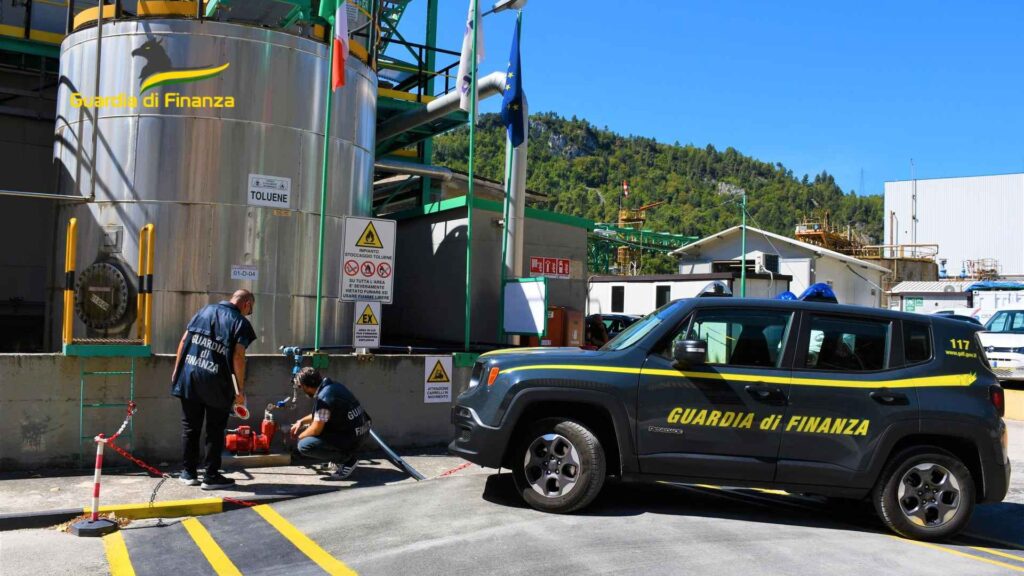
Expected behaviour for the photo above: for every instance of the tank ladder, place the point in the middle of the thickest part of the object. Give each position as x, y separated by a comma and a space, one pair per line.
85, 435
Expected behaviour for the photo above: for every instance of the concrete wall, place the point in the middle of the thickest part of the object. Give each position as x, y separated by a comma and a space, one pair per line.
430, 274
39, 404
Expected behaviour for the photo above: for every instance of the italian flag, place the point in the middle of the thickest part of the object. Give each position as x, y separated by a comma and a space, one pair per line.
336, 9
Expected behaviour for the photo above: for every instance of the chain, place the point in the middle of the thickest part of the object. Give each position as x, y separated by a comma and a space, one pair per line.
132, 409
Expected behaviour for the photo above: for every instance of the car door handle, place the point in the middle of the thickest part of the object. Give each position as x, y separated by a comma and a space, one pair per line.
886, 398
768, 394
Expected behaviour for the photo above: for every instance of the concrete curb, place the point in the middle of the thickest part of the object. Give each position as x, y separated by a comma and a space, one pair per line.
1014, 404
169, 509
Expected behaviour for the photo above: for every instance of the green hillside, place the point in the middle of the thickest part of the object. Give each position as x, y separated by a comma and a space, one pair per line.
581, 168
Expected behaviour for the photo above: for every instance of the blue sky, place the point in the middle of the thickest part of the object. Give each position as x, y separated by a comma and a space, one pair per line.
842, 87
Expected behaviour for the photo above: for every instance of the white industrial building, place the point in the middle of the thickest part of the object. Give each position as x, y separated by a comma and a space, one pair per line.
970, 219
854, 281
641, 295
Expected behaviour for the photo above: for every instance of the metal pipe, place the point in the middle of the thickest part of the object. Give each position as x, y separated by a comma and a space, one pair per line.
69, 25
43, 196
415, 169
96, 92
493, 83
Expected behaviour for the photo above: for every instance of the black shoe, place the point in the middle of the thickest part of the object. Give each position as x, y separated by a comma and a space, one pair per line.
217, 482
188, 478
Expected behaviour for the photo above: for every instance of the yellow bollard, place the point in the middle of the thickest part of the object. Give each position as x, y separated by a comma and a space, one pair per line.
70, 255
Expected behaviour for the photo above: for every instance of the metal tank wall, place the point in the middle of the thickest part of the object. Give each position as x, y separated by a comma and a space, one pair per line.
186, 170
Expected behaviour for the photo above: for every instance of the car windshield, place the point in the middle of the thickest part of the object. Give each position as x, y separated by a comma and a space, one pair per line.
637, 330
1007, 321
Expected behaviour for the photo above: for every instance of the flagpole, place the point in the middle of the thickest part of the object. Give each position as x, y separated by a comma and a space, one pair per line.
507, 214
323, 186
469, 191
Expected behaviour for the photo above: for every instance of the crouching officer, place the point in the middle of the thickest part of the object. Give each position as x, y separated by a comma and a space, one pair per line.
337, 426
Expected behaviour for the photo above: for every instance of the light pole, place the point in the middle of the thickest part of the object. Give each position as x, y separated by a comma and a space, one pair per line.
743, 248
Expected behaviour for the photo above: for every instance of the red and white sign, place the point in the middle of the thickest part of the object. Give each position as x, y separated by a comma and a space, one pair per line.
550, 267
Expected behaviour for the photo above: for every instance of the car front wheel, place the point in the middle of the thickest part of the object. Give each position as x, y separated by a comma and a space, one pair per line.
559, 466
925, 493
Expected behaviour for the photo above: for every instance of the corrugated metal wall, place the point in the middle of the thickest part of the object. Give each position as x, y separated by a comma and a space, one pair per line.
969, 218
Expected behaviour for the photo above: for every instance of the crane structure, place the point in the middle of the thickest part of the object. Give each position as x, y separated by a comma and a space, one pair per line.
618, 248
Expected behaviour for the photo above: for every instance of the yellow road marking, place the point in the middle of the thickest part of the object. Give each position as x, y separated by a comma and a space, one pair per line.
963, 554
210, 549
117, 555
329, 563
998, 553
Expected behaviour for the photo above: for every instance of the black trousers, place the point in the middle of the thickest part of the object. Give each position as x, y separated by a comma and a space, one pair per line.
193, 414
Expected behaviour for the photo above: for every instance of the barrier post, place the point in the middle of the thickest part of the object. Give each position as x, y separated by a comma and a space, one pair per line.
70, 254
95, 526
150, 249
140, 298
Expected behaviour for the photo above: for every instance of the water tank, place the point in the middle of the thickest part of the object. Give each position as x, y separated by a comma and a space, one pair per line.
213, 132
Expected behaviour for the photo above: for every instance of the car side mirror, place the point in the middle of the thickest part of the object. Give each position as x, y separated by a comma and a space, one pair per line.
690, 352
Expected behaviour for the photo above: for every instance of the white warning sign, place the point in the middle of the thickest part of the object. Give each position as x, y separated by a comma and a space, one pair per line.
366, 325
437, 379
270, 191
368, 260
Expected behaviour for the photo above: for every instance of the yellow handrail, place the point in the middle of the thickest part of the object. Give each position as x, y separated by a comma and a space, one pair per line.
70, 255
150, 249
140, 298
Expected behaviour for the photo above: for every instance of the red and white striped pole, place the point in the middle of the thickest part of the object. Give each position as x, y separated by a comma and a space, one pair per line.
100, 443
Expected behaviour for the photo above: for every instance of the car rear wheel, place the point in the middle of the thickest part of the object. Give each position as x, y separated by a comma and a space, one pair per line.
925, 494
559, 466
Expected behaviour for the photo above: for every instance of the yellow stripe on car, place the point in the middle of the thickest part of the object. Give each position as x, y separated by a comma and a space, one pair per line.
945, 380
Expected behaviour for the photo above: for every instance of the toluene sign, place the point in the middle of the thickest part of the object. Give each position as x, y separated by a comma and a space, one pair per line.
271, 191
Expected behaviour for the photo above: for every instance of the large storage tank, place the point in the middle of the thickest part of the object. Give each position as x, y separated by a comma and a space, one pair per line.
205, 170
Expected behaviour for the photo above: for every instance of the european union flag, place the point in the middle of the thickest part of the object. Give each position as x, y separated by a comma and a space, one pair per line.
512, 111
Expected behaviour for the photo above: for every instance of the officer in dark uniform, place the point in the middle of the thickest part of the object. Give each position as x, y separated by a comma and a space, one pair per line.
337, 425
210, 352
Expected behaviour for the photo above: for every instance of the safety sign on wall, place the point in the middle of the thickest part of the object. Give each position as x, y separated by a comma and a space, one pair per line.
368, 260
542, 266
272, 191
437, 379
366, 326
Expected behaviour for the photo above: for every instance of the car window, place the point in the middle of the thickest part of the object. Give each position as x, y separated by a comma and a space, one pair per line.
998, 322
637, 330
1006, 322
847, 344
740, 337
917, 343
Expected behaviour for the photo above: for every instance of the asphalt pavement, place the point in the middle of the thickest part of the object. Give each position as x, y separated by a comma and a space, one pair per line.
471, 522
